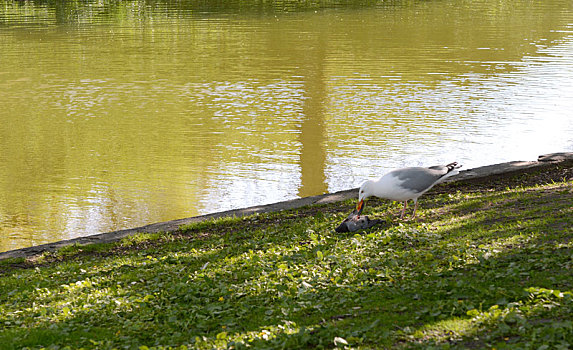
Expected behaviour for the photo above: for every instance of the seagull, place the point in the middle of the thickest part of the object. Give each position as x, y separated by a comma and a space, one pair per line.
405, 184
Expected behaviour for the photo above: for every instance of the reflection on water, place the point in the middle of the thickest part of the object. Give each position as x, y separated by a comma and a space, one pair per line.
119, 114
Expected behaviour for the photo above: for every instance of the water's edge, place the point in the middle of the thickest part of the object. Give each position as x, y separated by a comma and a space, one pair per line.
173, 225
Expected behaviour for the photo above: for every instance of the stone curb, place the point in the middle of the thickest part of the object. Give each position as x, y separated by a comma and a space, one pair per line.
173, 225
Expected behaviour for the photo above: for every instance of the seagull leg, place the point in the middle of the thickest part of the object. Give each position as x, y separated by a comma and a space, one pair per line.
415, 207
404, 209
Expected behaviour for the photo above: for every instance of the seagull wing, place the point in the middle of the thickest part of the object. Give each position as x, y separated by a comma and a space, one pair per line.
420, 180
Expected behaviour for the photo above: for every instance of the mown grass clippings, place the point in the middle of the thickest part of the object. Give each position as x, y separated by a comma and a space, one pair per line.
477, 269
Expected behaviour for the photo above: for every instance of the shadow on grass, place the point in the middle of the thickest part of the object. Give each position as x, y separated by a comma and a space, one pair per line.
280, 284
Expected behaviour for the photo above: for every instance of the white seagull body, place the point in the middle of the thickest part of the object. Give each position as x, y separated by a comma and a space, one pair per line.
405, 184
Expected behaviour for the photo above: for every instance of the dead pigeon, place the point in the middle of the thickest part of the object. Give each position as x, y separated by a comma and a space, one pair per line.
356, 222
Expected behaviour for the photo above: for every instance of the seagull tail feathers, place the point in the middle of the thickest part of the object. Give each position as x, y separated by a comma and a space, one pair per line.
452, 170
453, 166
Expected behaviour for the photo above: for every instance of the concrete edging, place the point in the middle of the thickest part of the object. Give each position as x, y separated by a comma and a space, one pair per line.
173, 225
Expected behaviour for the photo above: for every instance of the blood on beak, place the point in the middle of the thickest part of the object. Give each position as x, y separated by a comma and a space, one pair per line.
360, 207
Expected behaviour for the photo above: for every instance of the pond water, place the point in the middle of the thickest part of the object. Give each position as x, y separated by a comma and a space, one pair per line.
116, 114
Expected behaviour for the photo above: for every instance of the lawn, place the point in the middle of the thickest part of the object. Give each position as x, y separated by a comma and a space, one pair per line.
487, 264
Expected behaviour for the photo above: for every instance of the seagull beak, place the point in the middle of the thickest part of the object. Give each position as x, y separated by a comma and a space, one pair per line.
360, 207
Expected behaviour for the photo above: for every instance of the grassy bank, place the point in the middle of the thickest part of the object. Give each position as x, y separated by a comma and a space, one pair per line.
486, 265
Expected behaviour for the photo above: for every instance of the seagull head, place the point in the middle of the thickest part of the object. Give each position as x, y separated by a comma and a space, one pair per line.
364, 192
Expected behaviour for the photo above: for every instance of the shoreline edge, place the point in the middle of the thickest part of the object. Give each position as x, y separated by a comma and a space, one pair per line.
173, 225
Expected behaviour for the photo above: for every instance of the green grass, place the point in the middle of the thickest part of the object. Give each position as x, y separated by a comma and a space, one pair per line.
478, 269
